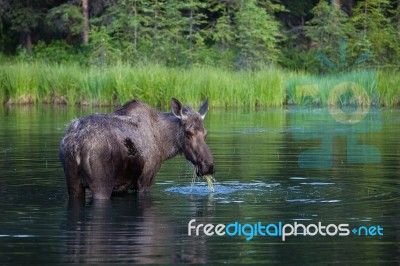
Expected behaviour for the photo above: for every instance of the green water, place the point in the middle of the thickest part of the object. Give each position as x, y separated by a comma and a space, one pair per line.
272, 166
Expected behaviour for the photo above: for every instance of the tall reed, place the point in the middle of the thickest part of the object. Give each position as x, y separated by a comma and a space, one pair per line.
38, 82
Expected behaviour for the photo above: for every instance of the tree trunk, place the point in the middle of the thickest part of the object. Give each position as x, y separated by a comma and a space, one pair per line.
155, 44
135, 37
337, 3
398, 20
350, 6
26, 41
70, 37
85, 32
191, 34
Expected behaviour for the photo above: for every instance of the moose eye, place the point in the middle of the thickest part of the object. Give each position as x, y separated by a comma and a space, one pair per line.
189, 134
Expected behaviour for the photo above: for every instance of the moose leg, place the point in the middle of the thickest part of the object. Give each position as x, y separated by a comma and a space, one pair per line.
101, 176
146, 178
74, 181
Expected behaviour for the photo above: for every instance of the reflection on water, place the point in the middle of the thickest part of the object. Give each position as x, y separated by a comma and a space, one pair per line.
268, 169
130, 229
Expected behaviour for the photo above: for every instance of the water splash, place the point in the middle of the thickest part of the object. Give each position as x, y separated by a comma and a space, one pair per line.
201, 188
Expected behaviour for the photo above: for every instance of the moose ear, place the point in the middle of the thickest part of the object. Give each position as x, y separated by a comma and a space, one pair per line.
176, 109
204, 109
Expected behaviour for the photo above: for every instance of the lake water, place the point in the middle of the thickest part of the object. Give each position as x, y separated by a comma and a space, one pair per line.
277, 167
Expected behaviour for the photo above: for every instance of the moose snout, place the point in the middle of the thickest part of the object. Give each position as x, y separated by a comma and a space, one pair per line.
205, 169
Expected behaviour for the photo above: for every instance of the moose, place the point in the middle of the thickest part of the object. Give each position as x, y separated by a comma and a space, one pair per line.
123, 150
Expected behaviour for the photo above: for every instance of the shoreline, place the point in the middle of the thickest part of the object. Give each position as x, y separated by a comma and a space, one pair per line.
69, 84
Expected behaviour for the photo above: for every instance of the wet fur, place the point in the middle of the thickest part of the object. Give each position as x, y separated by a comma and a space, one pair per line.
119, 151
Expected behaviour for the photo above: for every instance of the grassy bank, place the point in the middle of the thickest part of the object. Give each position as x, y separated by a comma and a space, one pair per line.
30, 83
71, 84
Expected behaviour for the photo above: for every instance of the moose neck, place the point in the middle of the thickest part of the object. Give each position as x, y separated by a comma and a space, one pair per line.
170, 135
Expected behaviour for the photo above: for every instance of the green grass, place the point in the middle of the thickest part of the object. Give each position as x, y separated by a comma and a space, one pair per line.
340, 89
389, 87
36, 82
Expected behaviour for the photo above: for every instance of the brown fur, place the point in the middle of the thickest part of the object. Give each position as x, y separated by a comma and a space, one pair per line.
125, 149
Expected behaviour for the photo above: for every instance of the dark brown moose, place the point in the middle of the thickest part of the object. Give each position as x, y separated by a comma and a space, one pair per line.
125, 149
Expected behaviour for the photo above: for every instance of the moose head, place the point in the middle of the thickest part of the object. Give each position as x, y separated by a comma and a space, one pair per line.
192, 136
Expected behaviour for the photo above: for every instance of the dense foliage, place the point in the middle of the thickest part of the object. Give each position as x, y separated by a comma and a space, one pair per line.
236, 34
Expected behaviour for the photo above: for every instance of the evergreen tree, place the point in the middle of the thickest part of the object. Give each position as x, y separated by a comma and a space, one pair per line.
376, 30
25, 17
195, 19
103, 50
5, 7
223, 32
257, 35
66, 19
241, 33
128, 25
327, 28
154, 22
174, 28
224, 35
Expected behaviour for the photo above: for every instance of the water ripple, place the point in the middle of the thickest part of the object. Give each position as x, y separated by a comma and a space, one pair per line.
220, 188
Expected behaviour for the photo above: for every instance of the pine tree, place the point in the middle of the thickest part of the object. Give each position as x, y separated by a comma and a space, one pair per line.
5, 7
67, 19
126, 23
328, 27
376, 31
155, 24
193, 19
25, 17
174, 30
223, 33
257, 35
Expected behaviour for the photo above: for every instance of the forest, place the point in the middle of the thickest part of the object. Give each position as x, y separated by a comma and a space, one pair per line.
283, 36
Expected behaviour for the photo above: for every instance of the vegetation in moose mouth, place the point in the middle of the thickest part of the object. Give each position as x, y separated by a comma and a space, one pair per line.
209, 179
210, 182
